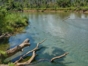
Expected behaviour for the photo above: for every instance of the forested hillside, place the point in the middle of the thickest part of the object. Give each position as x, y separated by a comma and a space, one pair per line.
55, 4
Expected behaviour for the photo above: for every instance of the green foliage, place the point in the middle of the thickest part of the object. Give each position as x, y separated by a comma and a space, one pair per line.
19, 5
10, 21
11, 64
26, 58
16, 20
4, 45
3, 53
62, 3
3, 13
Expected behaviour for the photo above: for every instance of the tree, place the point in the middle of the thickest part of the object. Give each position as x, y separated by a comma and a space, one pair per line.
62, 3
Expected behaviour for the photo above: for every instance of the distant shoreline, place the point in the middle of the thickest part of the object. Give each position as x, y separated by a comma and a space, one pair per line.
53, 10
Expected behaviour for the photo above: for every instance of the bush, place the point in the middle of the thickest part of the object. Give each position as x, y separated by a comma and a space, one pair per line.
10, 21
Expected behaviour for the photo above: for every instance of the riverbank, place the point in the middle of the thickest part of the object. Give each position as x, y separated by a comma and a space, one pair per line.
81, 10
10, 23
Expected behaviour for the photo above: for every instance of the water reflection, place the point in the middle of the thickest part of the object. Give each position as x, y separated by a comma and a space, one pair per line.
64, 15
78, 16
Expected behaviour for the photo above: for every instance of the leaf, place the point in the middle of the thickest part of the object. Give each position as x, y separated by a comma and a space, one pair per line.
3, 53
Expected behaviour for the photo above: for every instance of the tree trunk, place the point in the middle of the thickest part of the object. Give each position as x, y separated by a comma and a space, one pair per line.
23, 63
16, 49
19, 48
57, 57
31, 59
5, 35
35, 49
3, 65
27, 62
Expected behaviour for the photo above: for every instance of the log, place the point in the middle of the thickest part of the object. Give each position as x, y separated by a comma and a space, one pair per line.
16, 49
58, 57
27, 62
1, 36
5, 35
35, 49
25, 43
31, 59
24, 63
3, 64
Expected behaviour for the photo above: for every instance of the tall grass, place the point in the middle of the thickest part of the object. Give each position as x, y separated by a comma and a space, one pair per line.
11, 21
15, 21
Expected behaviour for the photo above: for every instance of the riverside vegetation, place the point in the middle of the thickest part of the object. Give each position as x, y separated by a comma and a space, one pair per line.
10, 23
43, 5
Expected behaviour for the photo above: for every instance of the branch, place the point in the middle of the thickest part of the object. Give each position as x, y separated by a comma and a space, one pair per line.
16, 49
24, 63
5, 35
3, 64
35, 49
27, 62
25, 43
2, 36
57, 57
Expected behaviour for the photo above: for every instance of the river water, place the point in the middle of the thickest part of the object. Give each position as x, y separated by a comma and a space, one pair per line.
64, 32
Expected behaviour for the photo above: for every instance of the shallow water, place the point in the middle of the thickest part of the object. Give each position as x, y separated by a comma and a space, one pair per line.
65, 32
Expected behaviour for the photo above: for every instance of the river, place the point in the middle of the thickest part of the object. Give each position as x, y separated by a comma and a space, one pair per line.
64, 32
